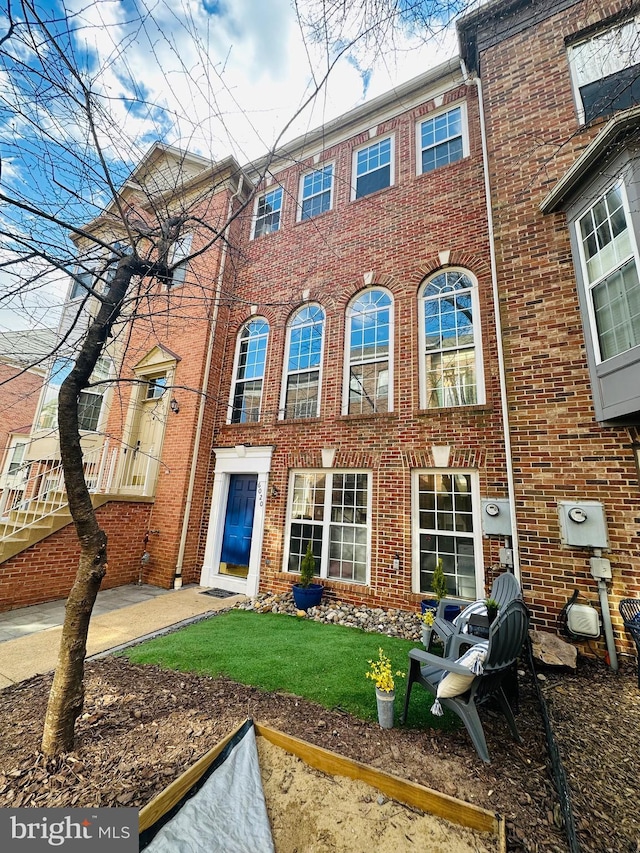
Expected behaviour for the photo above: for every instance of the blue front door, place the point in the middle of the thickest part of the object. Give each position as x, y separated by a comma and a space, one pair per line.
238, 522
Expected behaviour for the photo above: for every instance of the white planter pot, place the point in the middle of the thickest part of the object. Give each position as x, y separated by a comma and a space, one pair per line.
385, 708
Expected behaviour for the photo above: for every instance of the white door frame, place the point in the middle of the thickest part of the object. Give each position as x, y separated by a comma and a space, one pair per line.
236, 460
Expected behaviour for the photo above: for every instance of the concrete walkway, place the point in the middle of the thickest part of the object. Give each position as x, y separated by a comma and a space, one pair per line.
30, 636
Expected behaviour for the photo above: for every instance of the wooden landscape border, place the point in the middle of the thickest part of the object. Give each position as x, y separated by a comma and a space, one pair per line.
410, 793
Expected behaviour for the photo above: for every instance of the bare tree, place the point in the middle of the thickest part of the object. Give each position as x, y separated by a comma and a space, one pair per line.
68, 206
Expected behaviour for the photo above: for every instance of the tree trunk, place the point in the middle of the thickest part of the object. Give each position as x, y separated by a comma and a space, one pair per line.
67, 692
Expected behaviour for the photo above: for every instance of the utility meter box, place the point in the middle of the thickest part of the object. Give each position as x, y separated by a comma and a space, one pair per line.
583, 524
496, 516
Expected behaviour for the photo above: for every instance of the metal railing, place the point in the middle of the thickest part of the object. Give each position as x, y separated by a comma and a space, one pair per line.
36, 490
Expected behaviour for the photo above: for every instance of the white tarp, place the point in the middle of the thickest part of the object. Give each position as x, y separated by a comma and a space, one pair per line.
227, 812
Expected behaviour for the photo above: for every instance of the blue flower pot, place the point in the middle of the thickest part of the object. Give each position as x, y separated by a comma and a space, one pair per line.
305, 597
450, 610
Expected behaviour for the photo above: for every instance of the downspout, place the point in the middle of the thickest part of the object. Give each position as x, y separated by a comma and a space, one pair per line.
498, 323
177, 583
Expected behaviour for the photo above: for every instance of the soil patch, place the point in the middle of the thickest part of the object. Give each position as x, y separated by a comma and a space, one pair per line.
143, 726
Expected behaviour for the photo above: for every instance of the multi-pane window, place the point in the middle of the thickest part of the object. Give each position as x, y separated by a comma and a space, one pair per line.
250, 362
268, 209
177, 253
156, 386
450, 362
373, 167
330, 510
445, 530
17, 457
89, 400
369, 353
315, 193
304, 360
606, 70
441, 140
611, 273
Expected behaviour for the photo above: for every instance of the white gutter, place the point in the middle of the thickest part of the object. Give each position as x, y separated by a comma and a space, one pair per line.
177, 583
498, 324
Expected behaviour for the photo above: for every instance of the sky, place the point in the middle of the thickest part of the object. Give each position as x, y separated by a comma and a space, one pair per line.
211, 76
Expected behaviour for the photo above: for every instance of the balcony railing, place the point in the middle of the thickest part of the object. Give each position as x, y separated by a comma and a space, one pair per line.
36, 490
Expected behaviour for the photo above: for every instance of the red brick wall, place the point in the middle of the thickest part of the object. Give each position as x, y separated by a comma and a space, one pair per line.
45, 571
19, 395
396, 234
559, 451
179, 321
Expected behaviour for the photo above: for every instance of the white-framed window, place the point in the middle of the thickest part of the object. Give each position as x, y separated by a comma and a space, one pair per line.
267, 214
17, 457
605, 70
369, 353
316, 192
451, 371
609, 258
250, 360
156, 386
446, 526
303, 364
89, 401
330, 509
177, 253
81, 284
442, 139
373, 167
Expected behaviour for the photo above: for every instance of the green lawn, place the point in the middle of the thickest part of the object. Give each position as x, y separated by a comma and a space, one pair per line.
319, 662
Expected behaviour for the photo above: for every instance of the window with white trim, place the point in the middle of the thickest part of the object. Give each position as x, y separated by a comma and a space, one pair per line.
305, 337
179, 250
17, 457
316, 191
446, 528
331, 510
251, 353
605, 70
268, 210
610, 269
373, 167
369, 354
441, 140
90, 400
451, 360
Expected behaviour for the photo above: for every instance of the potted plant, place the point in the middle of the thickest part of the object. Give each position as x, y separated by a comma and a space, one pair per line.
492, 609
382, 675
427, 619
439, 587
306, 593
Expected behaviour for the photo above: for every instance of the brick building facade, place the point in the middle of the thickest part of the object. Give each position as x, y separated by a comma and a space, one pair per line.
412, 327
560, 85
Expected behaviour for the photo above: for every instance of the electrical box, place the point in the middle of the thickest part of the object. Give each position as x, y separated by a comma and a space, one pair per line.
496, 517
600, 568
583, 524
583, 621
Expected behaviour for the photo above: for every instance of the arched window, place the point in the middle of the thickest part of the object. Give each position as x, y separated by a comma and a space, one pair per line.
301, 392
251, 353
369, 353
451, 359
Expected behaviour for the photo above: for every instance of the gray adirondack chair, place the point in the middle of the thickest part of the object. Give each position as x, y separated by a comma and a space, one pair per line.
507, 635
630, 612
505, 588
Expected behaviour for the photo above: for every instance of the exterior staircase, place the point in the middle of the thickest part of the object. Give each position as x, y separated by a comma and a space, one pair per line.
33, 499
23, 536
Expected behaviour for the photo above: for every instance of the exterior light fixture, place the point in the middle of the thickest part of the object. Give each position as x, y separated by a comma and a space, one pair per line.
175, 407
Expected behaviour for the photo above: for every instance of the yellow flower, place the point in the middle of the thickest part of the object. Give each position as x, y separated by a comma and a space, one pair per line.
427, 617
380, 672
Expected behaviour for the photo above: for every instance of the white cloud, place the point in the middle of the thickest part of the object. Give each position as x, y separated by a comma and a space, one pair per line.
218, 82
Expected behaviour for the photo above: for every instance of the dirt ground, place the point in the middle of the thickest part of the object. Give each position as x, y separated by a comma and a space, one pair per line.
142, 727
